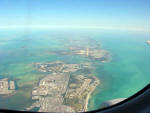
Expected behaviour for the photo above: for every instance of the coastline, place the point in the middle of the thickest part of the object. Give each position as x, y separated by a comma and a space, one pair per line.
88, 96
87, 101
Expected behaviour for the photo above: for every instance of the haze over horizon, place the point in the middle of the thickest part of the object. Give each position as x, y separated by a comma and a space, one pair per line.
115, 14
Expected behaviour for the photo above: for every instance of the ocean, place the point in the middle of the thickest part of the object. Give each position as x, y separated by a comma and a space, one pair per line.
126, 73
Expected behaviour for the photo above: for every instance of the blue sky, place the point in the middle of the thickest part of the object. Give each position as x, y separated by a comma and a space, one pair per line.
76, 13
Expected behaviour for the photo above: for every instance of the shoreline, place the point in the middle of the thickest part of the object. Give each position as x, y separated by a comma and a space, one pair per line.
88, 96
87, 101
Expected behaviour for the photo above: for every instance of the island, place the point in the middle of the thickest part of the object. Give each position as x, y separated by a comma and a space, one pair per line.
88, 48
6, 86
66, 88
91, 53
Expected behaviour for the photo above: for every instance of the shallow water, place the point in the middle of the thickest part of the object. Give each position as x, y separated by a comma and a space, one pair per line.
127, 73
129, 70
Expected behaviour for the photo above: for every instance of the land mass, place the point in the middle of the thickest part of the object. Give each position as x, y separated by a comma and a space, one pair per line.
95, 54
64, 87
6, 87
67, 87
90, 50
63, 90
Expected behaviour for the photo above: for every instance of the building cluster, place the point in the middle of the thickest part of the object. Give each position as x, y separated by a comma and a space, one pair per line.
6, 87
62, 90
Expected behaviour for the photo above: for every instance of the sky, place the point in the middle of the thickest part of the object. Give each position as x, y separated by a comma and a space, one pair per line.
121, 14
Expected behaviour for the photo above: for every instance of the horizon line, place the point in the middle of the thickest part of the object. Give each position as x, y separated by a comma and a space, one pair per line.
77, 27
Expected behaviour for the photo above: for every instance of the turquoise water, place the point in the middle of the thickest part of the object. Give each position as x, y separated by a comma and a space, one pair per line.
129, 70
127, 73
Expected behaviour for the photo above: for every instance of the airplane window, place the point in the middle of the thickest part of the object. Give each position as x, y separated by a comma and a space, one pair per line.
72, 55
